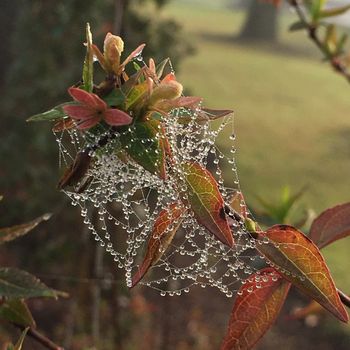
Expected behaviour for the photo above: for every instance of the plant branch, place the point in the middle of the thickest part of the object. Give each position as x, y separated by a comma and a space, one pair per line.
344, 298
333, 59
40, 338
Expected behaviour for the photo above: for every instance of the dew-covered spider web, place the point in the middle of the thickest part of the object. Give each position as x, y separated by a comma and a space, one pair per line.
121, 201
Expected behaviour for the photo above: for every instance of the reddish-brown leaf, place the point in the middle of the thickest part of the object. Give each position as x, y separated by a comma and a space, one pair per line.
164, 229
331, 225
206, 114
299, 260
165, 106
206, 201
74, 173
237, 203
64, 124
10, 233
313, 308
256, 308
134, 54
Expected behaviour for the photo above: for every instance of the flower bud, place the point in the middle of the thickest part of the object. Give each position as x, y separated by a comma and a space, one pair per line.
166, 91
113, 48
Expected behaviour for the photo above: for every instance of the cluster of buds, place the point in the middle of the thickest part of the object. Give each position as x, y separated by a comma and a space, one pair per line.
132, 96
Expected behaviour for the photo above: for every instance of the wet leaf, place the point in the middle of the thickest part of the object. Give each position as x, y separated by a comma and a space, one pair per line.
299, 260
256, 308
15, 283
331, 225
16, 311
134, 54
143, 143
206, 114
206, 201
10, 233
237, 203
213, 114
74, 173
164, 230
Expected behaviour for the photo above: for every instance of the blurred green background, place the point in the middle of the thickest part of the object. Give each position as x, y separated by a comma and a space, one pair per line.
292, 128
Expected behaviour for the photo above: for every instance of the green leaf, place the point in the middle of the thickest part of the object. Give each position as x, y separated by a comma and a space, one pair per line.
341, 43
316, 8
16, 311
161, 66
206, 201
137, 67
330, 40
297, 26
115, 98
88, 68
53, 114
10, 233
334, 11
15, 283
136, 94
144, 143
280, 212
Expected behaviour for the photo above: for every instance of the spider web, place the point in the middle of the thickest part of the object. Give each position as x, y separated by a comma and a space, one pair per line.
122, 200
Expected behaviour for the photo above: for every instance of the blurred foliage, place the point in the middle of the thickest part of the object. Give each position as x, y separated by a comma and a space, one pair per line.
44, 41
287, 209
16, 286
41, 57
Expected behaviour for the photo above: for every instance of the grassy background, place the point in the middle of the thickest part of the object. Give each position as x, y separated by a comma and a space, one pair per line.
291, 111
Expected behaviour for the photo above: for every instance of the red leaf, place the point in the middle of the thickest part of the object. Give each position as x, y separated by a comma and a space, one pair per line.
164, 229
299, 260
313, 308
331, 225
256, 308
206, 201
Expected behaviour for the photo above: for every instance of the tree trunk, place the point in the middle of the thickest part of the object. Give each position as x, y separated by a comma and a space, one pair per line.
261, 23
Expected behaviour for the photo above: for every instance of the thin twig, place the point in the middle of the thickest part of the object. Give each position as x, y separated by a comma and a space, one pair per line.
40, 338
333, 59
344, 298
